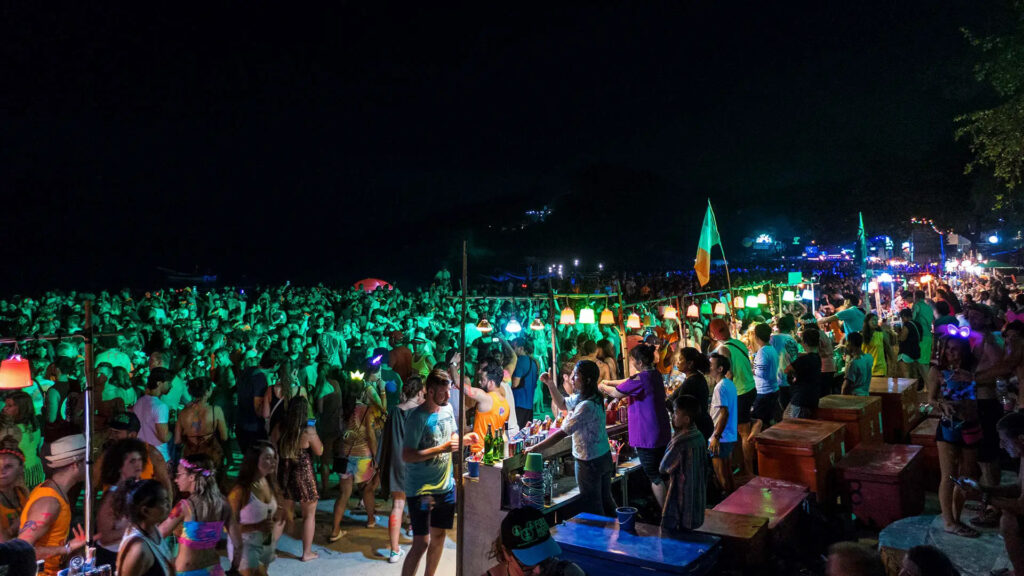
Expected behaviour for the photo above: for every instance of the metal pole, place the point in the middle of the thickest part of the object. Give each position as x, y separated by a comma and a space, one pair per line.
460, 500
89, 488
554, 340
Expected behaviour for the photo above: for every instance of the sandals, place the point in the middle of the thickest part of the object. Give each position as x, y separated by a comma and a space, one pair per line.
341, 534
988, 518
963, 531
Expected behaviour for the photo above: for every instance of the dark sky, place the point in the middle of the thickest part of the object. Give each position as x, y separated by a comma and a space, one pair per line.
364, 139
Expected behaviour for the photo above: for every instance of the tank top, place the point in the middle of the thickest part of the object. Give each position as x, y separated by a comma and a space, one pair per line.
876, 347
58, 532
9, 516
496, 417
742, 373
257, 510
422, 366
354, 441
163, 564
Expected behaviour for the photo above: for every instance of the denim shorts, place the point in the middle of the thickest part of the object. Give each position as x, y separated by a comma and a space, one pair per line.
724, 450
650, 461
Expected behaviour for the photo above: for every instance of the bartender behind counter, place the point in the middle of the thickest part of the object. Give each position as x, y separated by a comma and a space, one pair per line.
586, 425
649, 430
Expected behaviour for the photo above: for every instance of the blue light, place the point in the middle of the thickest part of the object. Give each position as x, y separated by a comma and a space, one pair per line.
993, 239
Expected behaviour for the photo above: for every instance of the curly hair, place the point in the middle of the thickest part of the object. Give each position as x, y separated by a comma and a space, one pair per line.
113, 459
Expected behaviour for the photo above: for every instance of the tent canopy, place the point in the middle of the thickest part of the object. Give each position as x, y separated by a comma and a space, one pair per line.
371, 284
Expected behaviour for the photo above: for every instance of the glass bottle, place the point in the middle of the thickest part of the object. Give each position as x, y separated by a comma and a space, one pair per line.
489, 447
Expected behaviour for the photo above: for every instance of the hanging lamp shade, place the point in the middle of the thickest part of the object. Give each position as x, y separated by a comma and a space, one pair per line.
807, 295
788, 296
536, 324
721, 309
737, 302
587, 316
568, 316
670, 313
513, 327
649, 320
751, 301
15, 373
633, 321
607, 317
705, 308
692, 311
484, 326
762, 298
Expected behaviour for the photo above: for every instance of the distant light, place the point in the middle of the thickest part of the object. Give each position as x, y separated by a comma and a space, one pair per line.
764, 239
600, 266
807, 295
788, 296
513, 326
885, 277
993, 239
576, 262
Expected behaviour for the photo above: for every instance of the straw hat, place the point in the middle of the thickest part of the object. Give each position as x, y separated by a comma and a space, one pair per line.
65, 451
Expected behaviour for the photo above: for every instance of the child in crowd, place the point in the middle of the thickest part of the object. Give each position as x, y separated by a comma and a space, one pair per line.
684, 463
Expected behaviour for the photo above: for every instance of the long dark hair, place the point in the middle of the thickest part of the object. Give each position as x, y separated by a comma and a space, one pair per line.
250, 468
26, 410
699, 361
134, 495
292, 426
867, 331
590, 374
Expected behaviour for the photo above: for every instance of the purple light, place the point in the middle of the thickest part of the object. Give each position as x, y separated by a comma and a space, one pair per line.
376, 359
965, 332
952, 329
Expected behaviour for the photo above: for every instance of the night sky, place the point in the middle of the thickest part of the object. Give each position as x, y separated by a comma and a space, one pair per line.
268, 144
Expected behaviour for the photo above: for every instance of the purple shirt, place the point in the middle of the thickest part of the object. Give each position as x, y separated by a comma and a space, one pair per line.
648, 419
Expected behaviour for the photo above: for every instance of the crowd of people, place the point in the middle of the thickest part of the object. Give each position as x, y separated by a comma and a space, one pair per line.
309, 384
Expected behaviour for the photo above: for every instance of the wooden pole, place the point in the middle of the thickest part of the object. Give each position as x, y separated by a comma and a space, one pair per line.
554, 341
623, 347
460, 527
90, 490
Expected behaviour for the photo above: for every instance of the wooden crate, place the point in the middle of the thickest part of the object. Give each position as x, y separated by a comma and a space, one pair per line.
924, 436
860, 415
744, 537
777, 500
882, 482
802, 451
899, 406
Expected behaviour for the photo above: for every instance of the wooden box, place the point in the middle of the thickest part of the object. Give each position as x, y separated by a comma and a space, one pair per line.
861, 415
882, 482
801, 451
776, 500
744, 537
899, 406
924, 436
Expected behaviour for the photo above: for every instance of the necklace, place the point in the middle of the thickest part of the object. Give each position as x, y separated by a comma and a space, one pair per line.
60, 490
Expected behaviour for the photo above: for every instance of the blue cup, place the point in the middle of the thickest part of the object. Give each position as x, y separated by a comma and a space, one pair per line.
627, 518
474, 468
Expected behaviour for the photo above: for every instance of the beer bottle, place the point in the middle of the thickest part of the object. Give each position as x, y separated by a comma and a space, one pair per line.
489, 447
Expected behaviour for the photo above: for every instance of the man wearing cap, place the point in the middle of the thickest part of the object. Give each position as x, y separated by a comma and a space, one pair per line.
126, 425
525, 546
46, 518
422, 361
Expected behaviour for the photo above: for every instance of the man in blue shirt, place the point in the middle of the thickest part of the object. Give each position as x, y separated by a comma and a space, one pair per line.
851, 316
766, 380
524, 379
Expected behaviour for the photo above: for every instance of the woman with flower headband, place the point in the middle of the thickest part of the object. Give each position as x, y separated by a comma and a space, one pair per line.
202, 518
12, 494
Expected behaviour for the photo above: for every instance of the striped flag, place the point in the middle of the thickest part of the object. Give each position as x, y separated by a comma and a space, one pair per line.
708, 239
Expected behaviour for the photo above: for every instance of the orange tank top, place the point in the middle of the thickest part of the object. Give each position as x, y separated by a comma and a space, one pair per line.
496, 417
58, 533
10, 516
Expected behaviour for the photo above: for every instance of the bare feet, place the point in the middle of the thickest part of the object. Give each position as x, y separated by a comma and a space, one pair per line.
310, 556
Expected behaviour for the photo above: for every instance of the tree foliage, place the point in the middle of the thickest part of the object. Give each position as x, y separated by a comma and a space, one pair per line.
996, 135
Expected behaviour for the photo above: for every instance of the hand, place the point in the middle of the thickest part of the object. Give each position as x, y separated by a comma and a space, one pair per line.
456, 359
970, 488
454, 443
546, 378
473, 438
713, 446
78, 538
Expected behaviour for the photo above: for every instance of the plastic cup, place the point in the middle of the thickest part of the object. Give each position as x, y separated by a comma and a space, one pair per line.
474, 468
627, 518
534, 462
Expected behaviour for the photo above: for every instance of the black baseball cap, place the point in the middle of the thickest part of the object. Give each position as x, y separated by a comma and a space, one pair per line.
526, 533
126, 421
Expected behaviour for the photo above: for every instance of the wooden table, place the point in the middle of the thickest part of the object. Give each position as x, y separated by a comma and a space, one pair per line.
861, 415
802, 451
899, 406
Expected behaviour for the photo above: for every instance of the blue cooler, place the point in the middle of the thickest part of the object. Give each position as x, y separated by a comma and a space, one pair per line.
596, 544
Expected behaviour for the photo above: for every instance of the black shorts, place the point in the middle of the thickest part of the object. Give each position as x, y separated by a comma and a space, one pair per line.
766, 408
744, 402
432, 511
990, 411
650, 461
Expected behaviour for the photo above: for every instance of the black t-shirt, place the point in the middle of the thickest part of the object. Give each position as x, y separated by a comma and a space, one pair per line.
697, 386
806, 376
252, 386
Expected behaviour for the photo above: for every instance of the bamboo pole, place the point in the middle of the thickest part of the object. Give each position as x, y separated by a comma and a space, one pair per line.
460, 527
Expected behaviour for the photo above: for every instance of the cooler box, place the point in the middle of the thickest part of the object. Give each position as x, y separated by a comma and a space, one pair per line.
861, 415
883, 482
924, 436
899, 406
776, 500
600, 549
744, 537
802, 451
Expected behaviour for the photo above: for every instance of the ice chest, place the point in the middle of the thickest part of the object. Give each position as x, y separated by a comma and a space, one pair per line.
744, 537
597, 545
776, 500
883, 482
899, 406
802, 451
924, 436
861, 415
